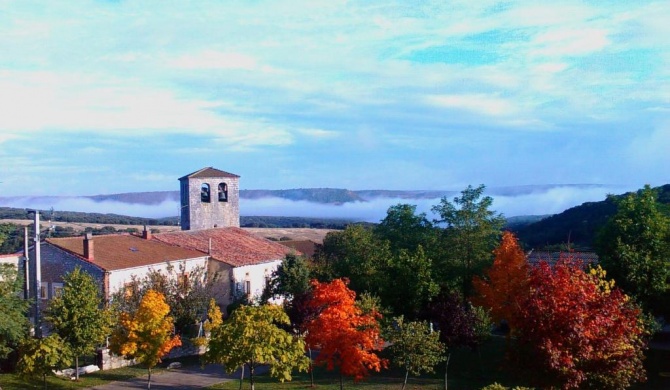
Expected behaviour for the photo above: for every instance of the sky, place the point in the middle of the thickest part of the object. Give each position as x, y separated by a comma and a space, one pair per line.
100, 97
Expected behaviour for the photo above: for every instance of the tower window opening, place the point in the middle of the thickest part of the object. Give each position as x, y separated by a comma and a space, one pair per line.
223, 192
204, 193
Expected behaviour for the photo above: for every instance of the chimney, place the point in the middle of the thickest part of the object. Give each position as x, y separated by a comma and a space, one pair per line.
146, 233
88, 246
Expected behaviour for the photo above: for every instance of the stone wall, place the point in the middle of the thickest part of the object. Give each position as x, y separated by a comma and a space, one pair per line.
197, 214
109, 361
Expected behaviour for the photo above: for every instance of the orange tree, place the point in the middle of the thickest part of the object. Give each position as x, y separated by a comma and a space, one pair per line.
146, 335
505, 284
576, 331
345, 336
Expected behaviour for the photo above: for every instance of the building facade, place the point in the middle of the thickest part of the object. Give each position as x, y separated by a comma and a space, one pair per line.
209, 198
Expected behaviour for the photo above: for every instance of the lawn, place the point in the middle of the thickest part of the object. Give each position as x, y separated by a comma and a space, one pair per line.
467, 370
14, 382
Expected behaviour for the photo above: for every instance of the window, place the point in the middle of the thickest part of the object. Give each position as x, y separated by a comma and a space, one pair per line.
204, 193
44, 290
56, 289
129, 290
182, 281
223, 192
247, 287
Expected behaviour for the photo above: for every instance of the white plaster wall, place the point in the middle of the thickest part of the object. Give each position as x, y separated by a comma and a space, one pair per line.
117, 279
256, 274
11, 259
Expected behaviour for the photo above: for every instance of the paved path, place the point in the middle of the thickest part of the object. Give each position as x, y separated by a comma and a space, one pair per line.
192, 377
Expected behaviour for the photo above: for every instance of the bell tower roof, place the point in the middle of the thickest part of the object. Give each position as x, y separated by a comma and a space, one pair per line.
208, 172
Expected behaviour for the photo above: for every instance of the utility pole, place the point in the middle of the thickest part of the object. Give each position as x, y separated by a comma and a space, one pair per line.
26, 264
38, 276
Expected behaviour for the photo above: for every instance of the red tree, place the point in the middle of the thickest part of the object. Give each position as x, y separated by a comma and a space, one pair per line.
506, 283
576, 331
346, 337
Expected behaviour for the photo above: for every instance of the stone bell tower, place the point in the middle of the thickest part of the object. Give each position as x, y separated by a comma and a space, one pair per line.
209, 198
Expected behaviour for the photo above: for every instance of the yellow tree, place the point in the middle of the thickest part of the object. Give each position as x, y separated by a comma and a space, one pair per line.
146, 335
506, 283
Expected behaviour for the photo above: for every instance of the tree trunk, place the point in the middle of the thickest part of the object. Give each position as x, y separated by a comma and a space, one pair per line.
251, 375
149, 381
404, 384
446, 368
44, 380
311, 367
76, 368
242, 377
341, 381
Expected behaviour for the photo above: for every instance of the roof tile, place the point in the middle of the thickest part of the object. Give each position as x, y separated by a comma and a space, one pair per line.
230, 245
121, 251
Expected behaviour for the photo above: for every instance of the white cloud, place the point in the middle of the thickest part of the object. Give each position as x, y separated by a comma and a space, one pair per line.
210, 59
477, 103
569, 42
318, 133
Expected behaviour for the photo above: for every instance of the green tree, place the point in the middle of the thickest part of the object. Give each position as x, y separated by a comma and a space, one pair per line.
39, 357
417, 288
471, 232
404, 229
252, 337
634, 248
11, 238
78, 315
414, 347
13, 322
290, 279
357, 254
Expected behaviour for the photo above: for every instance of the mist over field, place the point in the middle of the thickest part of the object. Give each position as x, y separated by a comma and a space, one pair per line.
538, 202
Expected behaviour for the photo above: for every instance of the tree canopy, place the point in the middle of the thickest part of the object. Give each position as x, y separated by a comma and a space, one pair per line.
471, 231
145, 334
414, 347
186, 293
345, 336
576, 331
505, 285
252, 337
13, 309
634, 248
78, 315
39, 357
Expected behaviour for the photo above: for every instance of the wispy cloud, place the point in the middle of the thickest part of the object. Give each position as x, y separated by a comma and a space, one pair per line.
482, 104
276, 80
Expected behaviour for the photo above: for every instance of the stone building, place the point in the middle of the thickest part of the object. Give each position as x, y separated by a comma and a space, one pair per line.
210, 238
210, 198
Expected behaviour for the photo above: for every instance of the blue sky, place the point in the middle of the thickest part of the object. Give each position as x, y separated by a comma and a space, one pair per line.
104, 97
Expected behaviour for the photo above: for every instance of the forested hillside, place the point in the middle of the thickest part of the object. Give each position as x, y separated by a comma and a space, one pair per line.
578, 225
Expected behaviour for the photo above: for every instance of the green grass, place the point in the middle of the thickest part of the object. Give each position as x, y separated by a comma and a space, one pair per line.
14, 382
467, 370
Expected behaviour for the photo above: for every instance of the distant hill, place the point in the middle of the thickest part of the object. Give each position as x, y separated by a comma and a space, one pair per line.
333, 196
577, 225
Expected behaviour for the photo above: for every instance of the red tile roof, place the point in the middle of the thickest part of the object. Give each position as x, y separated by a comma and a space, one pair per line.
534, 257
121, 251
230, 245
209, 172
